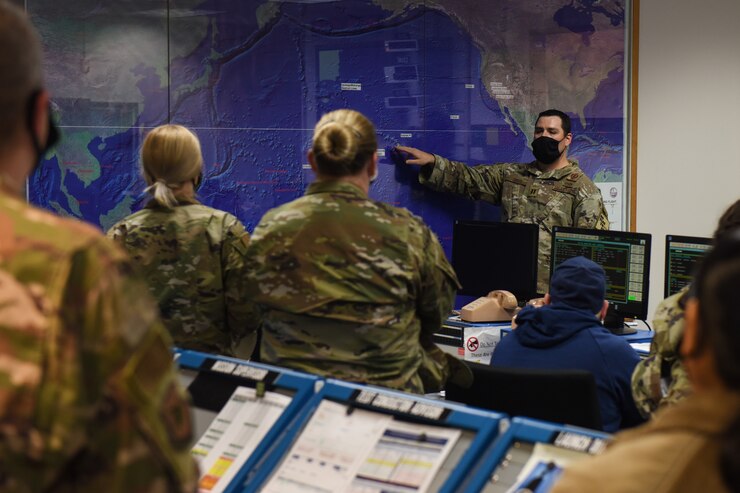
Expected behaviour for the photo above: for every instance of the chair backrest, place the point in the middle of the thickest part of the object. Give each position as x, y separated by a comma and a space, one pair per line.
560, 396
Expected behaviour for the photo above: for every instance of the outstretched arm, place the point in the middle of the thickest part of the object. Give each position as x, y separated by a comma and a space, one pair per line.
438, 173
416, 156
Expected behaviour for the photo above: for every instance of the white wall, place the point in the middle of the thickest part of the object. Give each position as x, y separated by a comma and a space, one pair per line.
688, 159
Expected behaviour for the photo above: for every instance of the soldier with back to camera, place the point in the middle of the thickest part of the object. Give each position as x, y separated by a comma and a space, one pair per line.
550, 191
350, 287
89, 399
191, 255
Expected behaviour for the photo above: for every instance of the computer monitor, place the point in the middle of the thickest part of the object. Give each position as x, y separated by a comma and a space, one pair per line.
492, 255
681, 256
625, 258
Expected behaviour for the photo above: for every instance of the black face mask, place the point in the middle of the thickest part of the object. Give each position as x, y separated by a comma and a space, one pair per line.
545, 149
52, 136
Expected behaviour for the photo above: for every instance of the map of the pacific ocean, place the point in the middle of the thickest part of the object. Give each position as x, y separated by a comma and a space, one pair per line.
460, 78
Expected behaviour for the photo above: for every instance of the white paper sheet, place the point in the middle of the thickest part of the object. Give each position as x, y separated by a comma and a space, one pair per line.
406, 458
641, 346
329, 450
362, 452
544, 454
234, 434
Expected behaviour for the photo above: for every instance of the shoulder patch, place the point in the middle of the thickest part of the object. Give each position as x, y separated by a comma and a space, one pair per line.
175, 414
240, 244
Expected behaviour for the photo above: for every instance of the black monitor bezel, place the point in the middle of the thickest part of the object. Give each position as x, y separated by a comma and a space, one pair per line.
619, 309
523, 294
702, 240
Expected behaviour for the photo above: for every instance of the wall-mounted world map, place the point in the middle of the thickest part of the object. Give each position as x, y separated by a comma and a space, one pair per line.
461, 78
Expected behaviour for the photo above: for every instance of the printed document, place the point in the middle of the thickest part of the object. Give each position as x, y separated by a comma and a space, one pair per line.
234, 434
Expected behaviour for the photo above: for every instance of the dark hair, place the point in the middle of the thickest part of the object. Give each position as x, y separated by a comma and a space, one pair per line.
717, 285
730, 220
565, 119
20, 69
343, 142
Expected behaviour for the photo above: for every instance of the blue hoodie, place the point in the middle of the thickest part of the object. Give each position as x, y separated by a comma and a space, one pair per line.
559, 337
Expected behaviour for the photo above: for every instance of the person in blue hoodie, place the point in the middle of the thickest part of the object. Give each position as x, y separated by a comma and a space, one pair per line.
566, 333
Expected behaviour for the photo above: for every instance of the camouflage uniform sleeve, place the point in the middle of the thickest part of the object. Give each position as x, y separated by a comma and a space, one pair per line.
140, 419
438, 285
648, 389
435, 301
242, 315
590, 212
477, 183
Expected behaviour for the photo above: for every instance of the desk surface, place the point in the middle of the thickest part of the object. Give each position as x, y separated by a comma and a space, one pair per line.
451, 337
642, 335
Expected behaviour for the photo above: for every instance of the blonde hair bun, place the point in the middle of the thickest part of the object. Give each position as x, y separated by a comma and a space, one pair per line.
336, 143
343, 143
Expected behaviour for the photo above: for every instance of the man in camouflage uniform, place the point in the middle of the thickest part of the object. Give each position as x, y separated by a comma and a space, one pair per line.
89, 400
661, 379
551, 191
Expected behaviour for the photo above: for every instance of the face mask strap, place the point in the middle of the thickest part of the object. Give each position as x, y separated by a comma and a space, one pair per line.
52, 136
30, 117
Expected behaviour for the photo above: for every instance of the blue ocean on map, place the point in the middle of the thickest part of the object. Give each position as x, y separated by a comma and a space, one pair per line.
258, 75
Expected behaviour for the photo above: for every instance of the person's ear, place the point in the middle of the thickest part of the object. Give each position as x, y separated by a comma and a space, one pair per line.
690, 347
604, 308
568, 139
697, 357
372, 168
312, 161
548, 298
40, 116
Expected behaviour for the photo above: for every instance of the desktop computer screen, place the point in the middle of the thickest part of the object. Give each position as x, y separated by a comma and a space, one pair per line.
682, 253
491, 255
624, 256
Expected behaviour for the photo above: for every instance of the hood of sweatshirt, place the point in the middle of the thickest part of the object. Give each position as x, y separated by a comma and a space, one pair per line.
551, 324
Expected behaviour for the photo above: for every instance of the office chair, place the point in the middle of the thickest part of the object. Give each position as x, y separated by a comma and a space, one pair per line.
560, 396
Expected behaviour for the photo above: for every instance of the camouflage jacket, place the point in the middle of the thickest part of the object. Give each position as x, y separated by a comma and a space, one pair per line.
678, 452
351, 288
89, 399
192, 258
561, 197
661, 378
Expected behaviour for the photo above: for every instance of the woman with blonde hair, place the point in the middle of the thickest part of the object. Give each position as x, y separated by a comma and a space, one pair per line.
350, 287
191, 255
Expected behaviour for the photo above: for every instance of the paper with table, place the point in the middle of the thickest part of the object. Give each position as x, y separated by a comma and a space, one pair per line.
362, 452
234, 434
